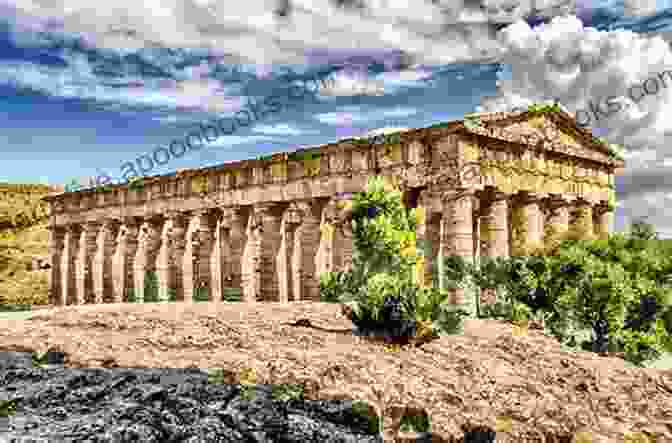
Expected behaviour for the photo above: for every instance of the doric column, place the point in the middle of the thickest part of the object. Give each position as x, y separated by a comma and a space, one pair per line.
234, 226
291, 219
102, 261
122, 262
456, 232
217, 257
343, 239
583, 219
271, 239
324, 259
70, 244
306, 242
602, 217
428, 234
251, 260
528, 224
197, 253
86, 251
557, 219
174, 277
494, 233
56, 249
141, 261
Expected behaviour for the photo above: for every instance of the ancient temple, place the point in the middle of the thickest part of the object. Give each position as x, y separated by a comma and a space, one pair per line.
270, 226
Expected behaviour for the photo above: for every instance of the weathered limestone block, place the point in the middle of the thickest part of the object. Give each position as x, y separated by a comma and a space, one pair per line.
251, 261
291, 219
56, 248
70, 245
102, 261
456, 232
306, 242
122, 262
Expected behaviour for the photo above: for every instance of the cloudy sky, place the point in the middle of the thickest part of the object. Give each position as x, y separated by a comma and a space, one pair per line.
87, 86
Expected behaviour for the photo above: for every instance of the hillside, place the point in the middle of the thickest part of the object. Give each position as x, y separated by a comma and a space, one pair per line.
23, 234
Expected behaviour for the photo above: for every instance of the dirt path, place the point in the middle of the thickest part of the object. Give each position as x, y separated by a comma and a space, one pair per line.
484, 377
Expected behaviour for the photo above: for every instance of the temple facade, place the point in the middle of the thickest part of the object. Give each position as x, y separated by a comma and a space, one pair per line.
269, 227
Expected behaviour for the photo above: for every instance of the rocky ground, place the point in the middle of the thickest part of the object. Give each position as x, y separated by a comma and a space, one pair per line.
489, 378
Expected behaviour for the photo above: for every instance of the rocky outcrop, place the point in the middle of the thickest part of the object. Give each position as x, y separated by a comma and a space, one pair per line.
54, 403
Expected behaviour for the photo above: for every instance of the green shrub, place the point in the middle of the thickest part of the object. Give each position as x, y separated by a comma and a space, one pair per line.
591, 285
384, 264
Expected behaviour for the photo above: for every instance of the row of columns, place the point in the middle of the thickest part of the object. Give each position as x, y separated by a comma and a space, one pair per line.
271, 252
276, 252
490, 223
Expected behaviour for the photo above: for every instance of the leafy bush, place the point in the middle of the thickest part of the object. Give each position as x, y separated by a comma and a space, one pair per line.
618, 288
380, 287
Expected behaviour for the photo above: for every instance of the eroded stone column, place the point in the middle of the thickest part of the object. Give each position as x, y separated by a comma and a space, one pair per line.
122, 262
251, 259
178, 236
197, 253
165, 265
306, 241
557, 220
583, 219
85, 252
324, 259
271, 217
216, 258
602, 218
141, 262
291, 219
343, 238
531, 233
102, 262
70, 245
494, 233
428, 234
234, 238
56, 249
456, 232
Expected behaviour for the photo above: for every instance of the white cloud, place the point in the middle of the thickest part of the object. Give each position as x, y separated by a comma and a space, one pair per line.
281, 129
441, 32
351, 114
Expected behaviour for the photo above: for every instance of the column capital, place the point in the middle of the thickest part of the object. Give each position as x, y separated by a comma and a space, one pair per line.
495, 194
91, 225
458, 193
292, 214
173, 214
527, 197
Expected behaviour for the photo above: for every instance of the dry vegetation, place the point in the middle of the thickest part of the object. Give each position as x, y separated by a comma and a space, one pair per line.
23, 234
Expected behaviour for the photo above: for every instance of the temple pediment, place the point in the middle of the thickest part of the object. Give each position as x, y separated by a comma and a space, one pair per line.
553, 131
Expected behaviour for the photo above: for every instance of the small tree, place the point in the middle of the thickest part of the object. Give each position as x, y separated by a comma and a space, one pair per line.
382, 279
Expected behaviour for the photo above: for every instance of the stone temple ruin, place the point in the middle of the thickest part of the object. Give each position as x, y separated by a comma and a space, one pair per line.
271, 226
